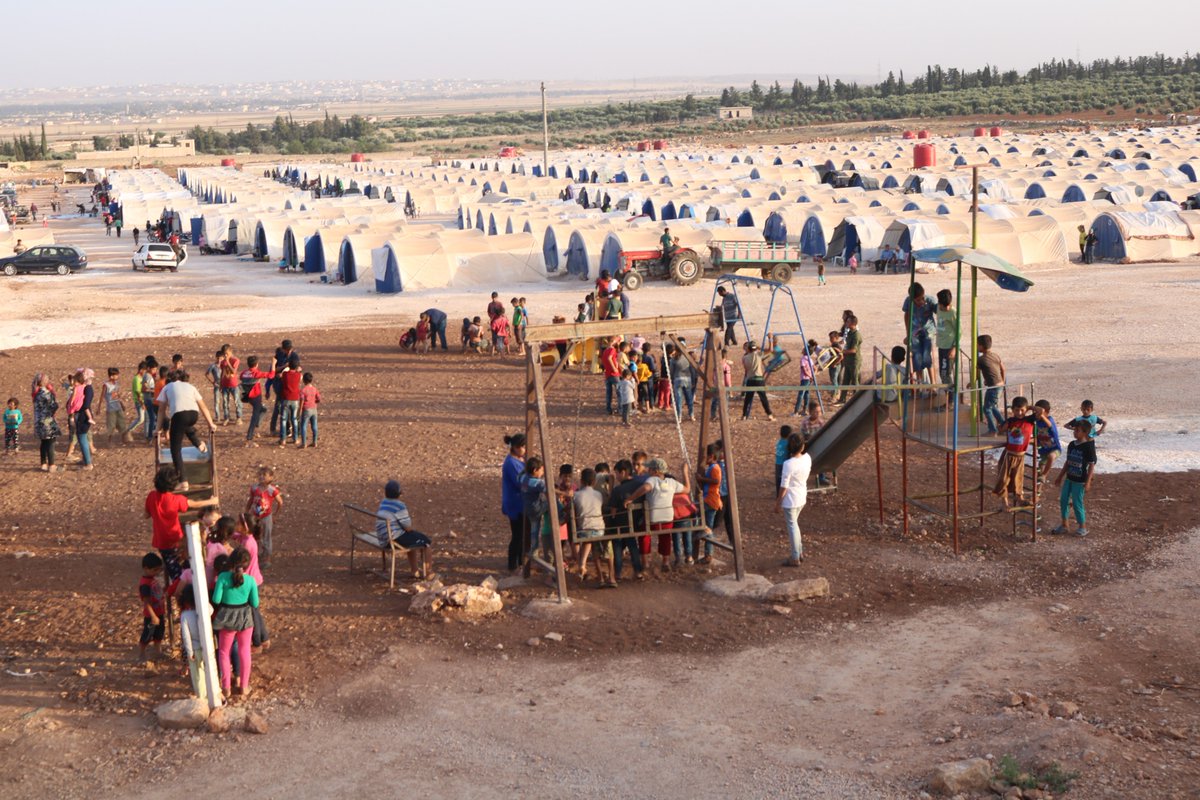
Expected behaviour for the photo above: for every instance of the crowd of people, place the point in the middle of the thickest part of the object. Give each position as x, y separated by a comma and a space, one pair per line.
162, 400
162, 407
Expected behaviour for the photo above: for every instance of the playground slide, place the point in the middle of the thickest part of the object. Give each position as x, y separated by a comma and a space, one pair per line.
845, 431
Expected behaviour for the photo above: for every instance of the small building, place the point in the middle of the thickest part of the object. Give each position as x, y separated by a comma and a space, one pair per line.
735, 112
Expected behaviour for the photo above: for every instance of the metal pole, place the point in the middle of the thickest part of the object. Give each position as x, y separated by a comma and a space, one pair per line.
975, 299
545, 136
739, 567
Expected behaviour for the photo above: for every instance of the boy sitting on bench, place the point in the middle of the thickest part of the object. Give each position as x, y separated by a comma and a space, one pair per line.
392, 511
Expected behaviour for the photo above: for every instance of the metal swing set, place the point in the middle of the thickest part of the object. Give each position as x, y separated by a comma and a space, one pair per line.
537, 418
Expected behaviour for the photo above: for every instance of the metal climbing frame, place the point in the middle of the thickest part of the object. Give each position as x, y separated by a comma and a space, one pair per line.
945, 416
537, 417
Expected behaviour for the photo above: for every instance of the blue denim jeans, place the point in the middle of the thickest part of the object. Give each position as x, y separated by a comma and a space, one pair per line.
991, 408
791, 520
635, 555
308, 418
710, 519
681, 541
802, 397
85, 448
231, 404
610, 389
289, 411
151, 417
684, 393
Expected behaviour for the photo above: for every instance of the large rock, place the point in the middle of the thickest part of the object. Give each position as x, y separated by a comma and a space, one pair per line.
217, 722
178, 715
548, 609
425, 603
753, 587
804, 589
461, 598
255, 723
473, 600
969, 775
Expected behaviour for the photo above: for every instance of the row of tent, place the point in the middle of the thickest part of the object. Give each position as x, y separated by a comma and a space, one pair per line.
512, 221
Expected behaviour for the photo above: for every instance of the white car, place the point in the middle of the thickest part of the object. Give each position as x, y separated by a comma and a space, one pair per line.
155, 255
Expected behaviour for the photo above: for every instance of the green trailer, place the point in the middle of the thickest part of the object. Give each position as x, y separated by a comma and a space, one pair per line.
775, 260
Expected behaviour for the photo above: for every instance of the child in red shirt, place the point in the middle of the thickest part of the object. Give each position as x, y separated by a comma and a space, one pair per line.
1018, 431
500, 331
163, 507
265, 499
310, 398
422, 345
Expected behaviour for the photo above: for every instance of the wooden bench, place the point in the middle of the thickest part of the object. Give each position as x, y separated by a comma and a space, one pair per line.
362, 530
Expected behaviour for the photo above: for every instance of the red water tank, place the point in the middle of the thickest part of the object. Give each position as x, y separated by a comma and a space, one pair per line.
643, 147
228, 162
660, 144
922, 134
924, 156
356, 158
981, 131
996, 130
909, 135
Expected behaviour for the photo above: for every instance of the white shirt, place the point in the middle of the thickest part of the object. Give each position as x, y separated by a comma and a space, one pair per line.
660, 498
794, 481
180, 396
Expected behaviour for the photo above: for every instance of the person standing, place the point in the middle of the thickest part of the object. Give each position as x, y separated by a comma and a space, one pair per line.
919, 314
610, 364
1077, 472
252, 393
755, 375
511, 504
793, 494
118, 223
820, 271
437, 327
851, 356
136, 235
230, 407
1082, 243
45, 405
183, 404
1089, 248
731, 314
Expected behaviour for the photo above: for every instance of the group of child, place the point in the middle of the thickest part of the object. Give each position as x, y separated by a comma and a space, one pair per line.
294, 418
1036, 427
607, 507
236, 550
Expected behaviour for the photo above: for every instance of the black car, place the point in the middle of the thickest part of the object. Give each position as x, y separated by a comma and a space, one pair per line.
60, 258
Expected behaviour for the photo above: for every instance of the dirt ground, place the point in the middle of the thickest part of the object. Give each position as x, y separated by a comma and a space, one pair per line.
655, 688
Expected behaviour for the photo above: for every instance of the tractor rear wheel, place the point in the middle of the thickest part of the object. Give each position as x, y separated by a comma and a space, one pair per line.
686, 269
781, 273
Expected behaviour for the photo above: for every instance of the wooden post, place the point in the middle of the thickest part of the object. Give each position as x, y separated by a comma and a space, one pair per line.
878, 463
209, 684
739, 565
544, 434
904, 477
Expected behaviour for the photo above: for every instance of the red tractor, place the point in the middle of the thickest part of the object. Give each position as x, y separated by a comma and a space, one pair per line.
684, 267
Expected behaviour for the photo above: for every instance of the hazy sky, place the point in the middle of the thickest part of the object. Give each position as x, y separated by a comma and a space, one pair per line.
84, 42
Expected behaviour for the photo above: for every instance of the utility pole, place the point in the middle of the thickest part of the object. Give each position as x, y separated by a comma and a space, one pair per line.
545, 136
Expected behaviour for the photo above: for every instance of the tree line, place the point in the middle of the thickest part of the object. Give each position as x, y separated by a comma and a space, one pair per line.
329, 135
938, 79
